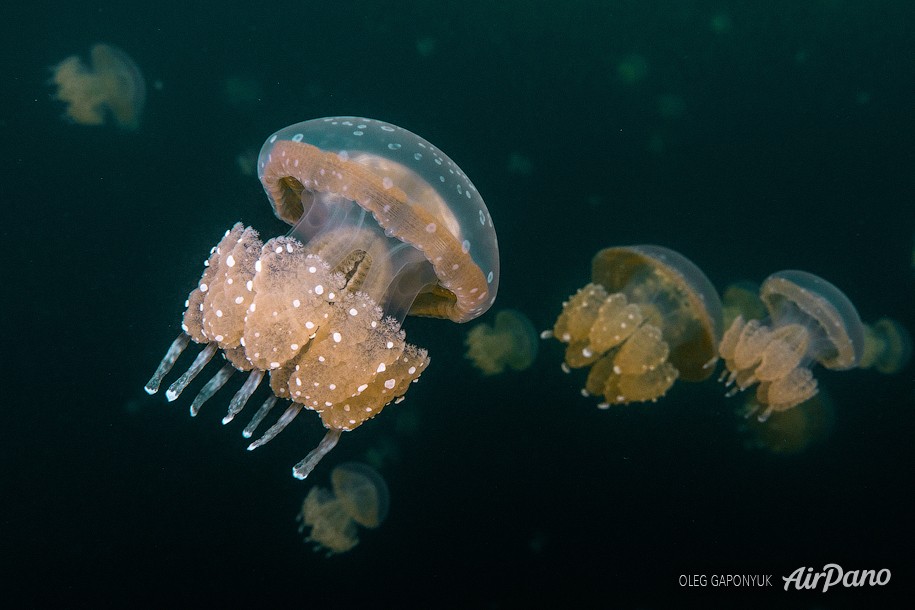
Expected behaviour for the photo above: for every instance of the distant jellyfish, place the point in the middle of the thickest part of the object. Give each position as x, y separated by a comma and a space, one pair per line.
384, 225
810, 321
741, 299
632, 69
246, 162
789, 432
649, 317
112, 85
887, 346
510, 342
721, 23
358, 496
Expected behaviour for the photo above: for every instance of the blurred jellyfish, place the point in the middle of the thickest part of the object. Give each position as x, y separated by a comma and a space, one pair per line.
632, 69
741, 299
112, 85
648, 317
720, 23
810, 321
384, 225
788, 432
246, 162
358, 496
520, 164
510, 342
425, 45
670, 106
887, 346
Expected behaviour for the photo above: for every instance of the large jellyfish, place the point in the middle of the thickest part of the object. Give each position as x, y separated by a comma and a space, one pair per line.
112, 84
648, 317
810, 321
358, 496
510, 342
384, 225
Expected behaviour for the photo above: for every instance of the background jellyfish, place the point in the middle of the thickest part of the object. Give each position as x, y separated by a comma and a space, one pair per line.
112, 84
648, 317
510, 342
887, 346
384, 225
810, 320
358, 496
789, 432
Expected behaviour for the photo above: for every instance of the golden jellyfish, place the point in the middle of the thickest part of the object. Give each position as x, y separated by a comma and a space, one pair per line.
789, 432
358, 496
111, 84
648, 317
887, 346
810, 321
510, 342
384, 225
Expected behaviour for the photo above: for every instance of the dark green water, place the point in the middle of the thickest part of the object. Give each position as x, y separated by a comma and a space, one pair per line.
751, 137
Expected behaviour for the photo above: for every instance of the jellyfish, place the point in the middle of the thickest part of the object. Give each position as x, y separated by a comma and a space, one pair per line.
649, 317
383, 225
358, 496
112, 85
810, 321
788, 432
887, 346
510, 342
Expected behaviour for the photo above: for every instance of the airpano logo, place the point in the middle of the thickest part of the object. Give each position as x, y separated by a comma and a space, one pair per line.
833, 575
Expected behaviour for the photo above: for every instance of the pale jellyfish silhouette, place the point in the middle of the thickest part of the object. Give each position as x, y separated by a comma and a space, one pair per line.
792, 431
384, 225
810, 321
887, 346
649, 317
112, 85
358, 497
510, 342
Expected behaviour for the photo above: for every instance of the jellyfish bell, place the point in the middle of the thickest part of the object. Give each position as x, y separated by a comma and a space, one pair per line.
384, 225
414, 193
809, 321
363, 493
648, 317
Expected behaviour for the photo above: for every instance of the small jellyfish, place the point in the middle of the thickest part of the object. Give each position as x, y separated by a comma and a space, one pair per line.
887, 346
649, 316
112, 85
810, 320
384, 225
358, 496
510, 342
788, 432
